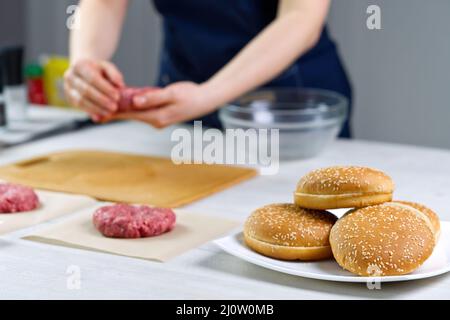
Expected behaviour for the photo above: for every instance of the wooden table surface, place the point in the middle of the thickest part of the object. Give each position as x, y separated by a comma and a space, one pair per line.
37, 271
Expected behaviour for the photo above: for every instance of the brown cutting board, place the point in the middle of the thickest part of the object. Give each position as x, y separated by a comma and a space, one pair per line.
125, 178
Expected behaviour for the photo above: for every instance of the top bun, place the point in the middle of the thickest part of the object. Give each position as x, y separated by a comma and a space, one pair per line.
430, 214
382, 240
343, 187
286, 231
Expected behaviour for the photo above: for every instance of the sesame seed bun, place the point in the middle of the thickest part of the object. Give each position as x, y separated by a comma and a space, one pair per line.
430, 214
288, 232
343, 187
382, 240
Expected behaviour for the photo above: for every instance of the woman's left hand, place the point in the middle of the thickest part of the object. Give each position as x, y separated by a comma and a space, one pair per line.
178, 102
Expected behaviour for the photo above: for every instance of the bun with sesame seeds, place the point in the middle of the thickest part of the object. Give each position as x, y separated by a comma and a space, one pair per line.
343, 187
430, 214
289, 232
382, 240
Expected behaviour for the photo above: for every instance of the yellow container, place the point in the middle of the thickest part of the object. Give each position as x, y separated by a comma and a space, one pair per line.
54, 68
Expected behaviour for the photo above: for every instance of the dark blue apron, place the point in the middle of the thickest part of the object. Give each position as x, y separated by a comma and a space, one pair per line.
201, 36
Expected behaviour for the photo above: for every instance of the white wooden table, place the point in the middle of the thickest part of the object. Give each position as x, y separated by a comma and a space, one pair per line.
38, 271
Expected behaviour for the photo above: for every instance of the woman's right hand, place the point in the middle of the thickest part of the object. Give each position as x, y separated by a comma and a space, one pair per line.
93, 86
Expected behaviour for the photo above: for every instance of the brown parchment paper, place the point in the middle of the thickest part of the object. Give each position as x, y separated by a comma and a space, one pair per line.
118, 177
52, 205
191, 230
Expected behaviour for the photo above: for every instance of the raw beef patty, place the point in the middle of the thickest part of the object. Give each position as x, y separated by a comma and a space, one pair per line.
127, 94
16, 198
126, 221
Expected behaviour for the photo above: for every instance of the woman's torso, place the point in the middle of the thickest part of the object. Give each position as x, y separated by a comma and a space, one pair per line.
201, 36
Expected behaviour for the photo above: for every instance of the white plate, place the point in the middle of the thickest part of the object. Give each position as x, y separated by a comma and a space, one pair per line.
437, 264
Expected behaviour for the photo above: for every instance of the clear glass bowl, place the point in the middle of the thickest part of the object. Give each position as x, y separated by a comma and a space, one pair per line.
307, 119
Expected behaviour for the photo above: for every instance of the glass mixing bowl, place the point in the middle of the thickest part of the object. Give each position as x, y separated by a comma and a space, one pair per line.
307, 119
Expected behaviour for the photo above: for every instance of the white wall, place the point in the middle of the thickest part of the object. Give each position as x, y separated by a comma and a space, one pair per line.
401, 74
12, 30
139, 48
46, 30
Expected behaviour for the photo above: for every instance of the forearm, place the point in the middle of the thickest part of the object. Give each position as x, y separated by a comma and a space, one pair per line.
292, 33
100, 27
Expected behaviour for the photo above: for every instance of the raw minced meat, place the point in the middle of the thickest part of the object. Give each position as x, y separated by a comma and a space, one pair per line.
16, 198
127, 94
127, 221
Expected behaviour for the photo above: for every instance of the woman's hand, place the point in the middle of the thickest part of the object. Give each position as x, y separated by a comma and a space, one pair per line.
181, 101
93, 86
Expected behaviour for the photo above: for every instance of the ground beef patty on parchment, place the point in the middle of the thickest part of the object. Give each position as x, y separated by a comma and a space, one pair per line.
127, 221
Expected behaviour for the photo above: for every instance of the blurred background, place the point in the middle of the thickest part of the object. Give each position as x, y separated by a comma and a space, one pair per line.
400, 74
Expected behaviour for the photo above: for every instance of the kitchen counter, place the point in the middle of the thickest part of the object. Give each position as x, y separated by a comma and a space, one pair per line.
38, 271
